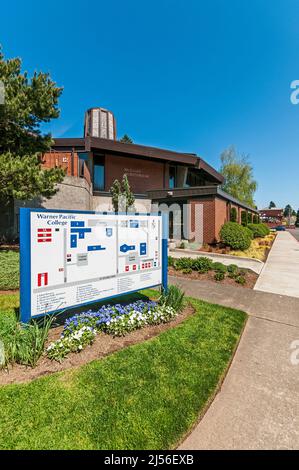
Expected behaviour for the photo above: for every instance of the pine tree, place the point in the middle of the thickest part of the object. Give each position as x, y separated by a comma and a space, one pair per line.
126, 139
122, 197
28, 102
115, 191
129, 196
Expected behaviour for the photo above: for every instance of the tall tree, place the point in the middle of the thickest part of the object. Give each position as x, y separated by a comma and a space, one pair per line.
122, 197
287, 211
28, 102
126, 139
238, 174
272, 205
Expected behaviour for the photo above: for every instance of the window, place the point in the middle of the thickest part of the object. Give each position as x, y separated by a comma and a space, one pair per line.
172, 177
99, 173
194, 178
83, 160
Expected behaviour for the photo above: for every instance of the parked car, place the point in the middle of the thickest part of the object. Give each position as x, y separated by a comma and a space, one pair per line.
280, 228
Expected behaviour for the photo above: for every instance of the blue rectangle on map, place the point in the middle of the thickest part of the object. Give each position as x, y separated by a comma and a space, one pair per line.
73, 241
77, 224
95, 248
80, 230
134, 223
143, 248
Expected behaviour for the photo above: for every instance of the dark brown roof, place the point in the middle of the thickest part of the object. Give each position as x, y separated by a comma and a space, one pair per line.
198, 191
93, 143
273, 212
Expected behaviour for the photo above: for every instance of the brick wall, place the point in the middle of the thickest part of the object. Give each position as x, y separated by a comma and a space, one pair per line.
221, 215
215, 213
143, 175
208, 218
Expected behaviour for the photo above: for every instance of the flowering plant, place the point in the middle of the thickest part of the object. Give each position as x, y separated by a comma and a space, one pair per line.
74, 342
117, 320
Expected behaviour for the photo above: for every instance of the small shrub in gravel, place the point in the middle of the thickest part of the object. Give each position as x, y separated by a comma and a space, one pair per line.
219, 276
240, 280
219, 267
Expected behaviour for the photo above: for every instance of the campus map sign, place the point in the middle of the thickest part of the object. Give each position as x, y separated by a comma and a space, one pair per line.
70, 258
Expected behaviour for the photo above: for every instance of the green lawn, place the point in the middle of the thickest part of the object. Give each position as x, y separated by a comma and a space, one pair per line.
146, 396
9, 269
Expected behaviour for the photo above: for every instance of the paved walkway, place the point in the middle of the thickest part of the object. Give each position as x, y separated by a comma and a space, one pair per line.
258, 404
280, 274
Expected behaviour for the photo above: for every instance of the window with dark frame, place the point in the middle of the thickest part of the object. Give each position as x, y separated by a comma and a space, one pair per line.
99, 172
172, 177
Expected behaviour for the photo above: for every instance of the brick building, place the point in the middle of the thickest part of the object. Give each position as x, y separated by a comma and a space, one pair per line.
272, 217
182, 183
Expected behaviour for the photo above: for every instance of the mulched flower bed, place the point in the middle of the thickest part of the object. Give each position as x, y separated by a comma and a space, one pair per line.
250, 276
103, 345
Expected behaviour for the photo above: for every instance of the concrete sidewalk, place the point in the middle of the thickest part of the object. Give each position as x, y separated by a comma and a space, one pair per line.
280, 274
258, 404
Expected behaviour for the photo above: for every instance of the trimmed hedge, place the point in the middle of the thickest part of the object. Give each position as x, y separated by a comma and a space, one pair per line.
200, 264
236, 236
259, 230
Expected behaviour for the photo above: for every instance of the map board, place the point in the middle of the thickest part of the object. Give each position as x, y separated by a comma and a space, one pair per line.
69, 259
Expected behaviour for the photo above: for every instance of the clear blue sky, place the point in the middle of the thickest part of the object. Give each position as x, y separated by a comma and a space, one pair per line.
188, 75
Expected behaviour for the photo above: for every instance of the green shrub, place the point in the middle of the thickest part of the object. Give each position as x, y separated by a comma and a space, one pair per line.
233, 214
255, 219
240, 280
249, 232
266, 229
249, 217
236, 236
173, 297
171, 260
24, 344
233, 275
187, 271
219, 276
182, 263
202, 264
232, 268
259, 230
219, 267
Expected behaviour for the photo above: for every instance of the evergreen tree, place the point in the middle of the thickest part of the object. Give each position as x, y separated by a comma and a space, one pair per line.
28, 102
126, 139
272, 205
122, 197
287, 211
129, 196
115, 191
